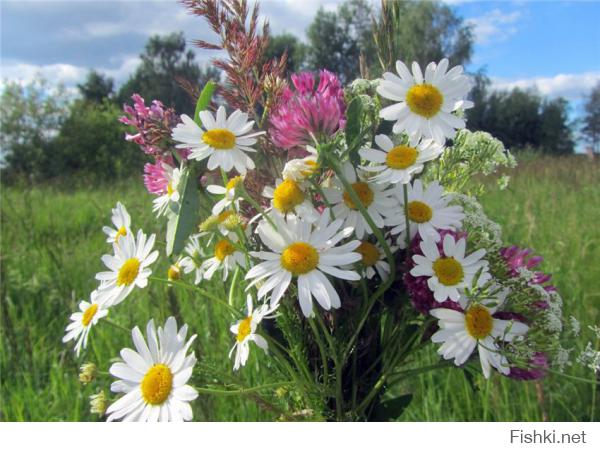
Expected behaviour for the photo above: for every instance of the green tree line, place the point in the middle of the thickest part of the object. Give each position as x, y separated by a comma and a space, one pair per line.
47, 135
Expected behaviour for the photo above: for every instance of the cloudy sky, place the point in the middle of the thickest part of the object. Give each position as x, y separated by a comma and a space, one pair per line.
552, 45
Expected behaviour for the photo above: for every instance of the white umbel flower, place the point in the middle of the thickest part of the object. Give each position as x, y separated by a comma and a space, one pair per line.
122, 224
128, 268
306, 252
224, 141
376, 198
428, 212
451, 272
461, 332
425, 102
228, 192
245, 332
154, 376
169, 202
83, 321
397, 164
290, 197
226, 257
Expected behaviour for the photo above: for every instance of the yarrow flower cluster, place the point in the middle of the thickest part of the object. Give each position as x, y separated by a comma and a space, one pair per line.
313, 251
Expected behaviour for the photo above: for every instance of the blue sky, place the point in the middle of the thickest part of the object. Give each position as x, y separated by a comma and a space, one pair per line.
553, 46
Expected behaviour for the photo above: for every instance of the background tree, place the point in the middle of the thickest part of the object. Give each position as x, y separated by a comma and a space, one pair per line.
96, 88
164, 64
337, 39
421, 31
30, 118
91, 144
286, 42
591, 119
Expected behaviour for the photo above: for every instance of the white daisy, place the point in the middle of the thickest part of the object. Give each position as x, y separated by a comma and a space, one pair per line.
121, 221
154, 376
245, 331
460, 332
128, 267
428, 212
304, 252
83, 321
301, 169
229, 199
193, 261
452, 271
397, 164
377, 199
290, 197
169, 202
224, 141
425, 103
372, 259
225, 256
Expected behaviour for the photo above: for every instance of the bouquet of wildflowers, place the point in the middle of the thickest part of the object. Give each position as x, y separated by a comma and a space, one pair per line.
341, 222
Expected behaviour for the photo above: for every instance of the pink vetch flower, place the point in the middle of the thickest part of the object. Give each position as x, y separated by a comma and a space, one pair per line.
522, 258
537, 370
153, 125
307, 110
155, 178
421, 296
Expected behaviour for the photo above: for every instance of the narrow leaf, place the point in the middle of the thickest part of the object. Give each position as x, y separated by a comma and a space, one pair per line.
204, 99
181, 226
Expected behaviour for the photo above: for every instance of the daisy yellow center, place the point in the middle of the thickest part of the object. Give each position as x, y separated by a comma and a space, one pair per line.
287, 195
419, 212
369, 252
448, 271
479, 322
299, 258
312, 167
401, 157
224, 215
173, 272
364, 193
128, 272
89, 314
122, 232
424, 100
170, 189
219, 139
223, 248
157, 384
233, 182
244, 328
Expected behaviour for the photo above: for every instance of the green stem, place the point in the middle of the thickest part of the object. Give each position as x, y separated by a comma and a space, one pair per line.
228, 392
322, 351
380, 238
233, 286
116, 325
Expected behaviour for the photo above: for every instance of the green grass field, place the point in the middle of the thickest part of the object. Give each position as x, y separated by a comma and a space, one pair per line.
51, 247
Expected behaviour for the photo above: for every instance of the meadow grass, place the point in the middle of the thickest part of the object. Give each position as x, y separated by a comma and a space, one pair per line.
50, 248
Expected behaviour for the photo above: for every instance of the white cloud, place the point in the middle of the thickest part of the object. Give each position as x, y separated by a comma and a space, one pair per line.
66, 74
570, 86
494, 25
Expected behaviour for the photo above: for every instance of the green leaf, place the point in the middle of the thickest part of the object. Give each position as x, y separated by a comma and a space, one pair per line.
391, 409
181, 226
204, 99
354, 114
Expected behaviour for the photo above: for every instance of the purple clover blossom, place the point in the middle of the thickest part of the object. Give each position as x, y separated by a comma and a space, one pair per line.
522, 258
538, 366
306, 110
152, 123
